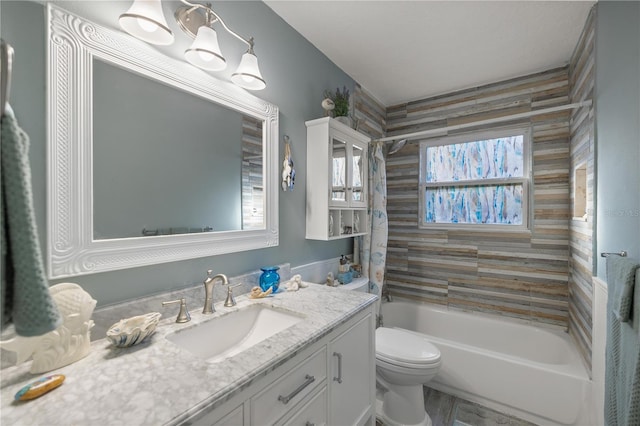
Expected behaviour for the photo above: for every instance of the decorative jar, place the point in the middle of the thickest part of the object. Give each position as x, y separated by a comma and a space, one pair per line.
270, 278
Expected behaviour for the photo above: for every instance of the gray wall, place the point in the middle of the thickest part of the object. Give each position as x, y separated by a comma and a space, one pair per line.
617, 129
296, 73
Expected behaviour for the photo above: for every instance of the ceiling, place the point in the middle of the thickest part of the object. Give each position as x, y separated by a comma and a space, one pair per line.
406, 50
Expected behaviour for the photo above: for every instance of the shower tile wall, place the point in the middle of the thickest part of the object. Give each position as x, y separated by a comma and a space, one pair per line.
581, 261
370, 115
519, 275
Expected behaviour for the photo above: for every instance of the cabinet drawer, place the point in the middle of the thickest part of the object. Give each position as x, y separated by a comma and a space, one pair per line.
313, 412
234, 418
275, 400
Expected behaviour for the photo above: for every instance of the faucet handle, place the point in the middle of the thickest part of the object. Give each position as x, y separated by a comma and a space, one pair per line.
183, 315
230, 299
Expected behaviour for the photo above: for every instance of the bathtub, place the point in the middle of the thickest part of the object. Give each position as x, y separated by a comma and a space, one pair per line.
532, 373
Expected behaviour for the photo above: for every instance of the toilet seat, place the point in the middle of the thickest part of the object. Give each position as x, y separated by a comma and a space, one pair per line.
404, 349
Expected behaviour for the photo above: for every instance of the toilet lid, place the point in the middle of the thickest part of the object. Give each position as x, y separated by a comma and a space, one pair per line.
400, 346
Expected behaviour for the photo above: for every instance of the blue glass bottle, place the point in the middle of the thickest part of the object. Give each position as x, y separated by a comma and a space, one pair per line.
269, 278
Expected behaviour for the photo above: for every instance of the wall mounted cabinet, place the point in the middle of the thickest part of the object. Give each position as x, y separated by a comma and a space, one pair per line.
337, 173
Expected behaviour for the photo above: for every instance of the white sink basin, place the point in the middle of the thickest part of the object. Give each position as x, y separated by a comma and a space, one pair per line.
230, 334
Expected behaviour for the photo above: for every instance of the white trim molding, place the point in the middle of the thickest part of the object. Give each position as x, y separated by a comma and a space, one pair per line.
73, 44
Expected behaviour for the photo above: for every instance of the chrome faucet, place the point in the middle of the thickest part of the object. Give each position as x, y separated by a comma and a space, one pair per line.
183, 315
386, 293
208, 290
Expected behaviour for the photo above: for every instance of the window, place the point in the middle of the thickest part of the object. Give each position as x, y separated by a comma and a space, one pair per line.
480, 180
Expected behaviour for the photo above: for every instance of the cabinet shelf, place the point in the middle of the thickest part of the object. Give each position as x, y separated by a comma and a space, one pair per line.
337, 164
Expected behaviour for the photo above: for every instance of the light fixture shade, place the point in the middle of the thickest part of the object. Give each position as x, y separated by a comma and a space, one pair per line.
145, 20
248, 74
205, 50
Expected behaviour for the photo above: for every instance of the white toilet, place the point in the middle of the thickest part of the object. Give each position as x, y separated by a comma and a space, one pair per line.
405, 361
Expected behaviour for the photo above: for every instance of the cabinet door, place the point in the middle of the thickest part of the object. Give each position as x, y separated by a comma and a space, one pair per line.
352, 378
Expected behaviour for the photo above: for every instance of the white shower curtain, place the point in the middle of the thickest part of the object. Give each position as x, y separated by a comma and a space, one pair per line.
373, 247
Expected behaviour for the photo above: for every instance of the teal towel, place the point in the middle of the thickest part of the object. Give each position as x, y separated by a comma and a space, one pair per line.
622, 355
24, 296
621, 273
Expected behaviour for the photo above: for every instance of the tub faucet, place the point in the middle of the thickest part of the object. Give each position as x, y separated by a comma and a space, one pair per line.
208, 291
386, 293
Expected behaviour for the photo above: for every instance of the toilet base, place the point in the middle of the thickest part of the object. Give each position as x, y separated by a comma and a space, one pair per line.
383, 418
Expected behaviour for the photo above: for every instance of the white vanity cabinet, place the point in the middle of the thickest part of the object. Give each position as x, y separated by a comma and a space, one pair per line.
353, 384
337, 174
331, 382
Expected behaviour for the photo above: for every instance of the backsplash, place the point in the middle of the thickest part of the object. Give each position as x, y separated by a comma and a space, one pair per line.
106, 316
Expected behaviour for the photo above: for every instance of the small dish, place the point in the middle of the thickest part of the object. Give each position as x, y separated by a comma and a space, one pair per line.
131, 331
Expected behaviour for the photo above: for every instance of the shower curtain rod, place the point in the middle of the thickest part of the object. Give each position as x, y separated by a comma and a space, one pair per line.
444, 130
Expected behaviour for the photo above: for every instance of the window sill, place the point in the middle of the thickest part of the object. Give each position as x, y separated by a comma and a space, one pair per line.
494, 229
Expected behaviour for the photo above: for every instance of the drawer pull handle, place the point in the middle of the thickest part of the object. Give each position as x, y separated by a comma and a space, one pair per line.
308, 380
339, 356
309, 424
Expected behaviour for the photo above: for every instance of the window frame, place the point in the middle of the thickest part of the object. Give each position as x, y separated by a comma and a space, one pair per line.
526, 180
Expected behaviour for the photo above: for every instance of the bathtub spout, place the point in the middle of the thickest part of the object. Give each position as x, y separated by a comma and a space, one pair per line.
386, 293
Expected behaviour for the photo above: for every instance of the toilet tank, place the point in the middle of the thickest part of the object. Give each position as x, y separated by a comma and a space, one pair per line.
357, 284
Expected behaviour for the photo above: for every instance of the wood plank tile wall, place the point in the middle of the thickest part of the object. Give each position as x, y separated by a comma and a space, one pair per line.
581, 259
544, 277
519, 275
369, 113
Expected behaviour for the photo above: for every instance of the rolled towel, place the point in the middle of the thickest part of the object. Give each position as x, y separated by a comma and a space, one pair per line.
621, 272
24, 288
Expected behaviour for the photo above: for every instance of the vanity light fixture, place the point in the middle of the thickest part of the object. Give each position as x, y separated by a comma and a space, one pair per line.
146, 21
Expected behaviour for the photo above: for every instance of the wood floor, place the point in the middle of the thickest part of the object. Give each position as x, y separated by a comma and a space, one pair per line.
447, 410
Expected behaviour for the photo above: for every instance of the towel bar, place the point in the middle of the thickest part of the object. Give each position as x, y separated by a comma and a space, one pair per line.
620, 253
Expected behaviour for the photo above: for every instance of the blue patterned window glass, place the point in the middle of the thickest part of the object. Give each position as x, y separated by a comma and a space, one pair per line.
491, 204
481, 182
486, 159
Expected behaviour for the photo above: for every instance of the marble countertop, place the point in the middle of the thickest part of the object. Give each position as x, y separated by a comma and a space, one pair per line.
156, 382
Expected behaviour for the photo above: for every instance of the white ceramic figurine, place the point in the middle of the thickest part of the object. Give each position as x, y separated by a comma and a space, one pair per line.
66, 344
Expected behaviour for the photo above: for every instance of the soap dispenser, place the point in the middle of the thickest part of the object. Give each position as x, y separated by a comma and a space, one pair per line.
344, 271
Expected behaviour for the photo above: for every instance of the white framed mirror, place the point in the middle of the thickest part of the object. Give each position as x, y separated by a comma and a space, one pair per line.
216, 188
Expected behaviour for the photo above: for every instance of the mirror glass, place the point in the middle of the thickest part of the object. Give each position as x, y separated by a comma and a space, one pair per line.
356, 171
150, 159
166, 170
339, 170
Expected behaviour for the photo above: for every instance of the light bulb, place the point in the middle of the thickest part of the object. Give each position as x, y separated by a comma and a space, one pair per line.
205, 51
147, 25
248, 74
207, 57
145, 20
